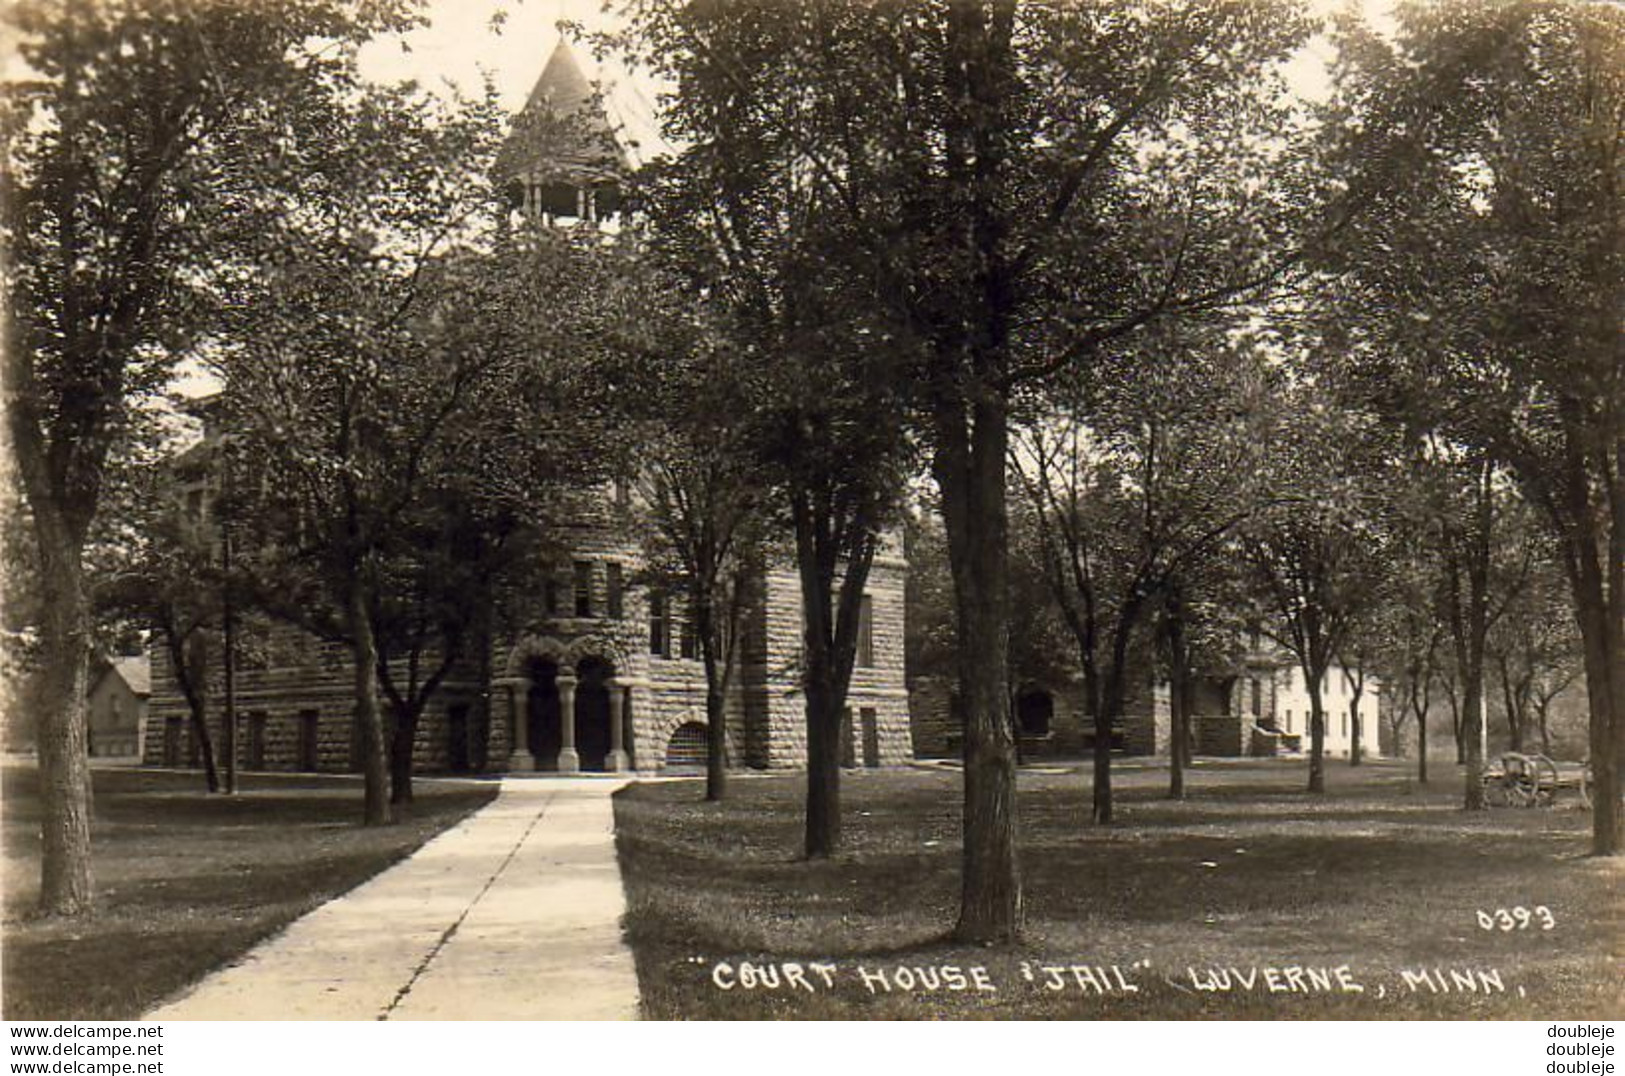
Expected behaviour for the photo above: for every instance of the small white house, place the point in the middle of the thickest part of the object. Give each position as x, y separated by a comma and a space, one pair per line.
1292, 709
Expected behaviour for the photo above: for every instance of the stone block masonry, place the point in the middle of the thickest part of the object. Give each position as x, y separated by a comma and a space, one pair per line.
595, 631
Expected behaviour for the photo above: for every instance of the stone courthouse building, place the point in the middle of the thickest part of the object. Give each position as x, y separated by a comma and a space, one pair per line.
605, 676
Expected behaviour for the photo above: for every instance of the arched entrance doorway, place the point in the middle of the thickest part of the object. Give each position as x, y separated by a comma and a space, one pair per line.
592, 712
1035, 709
542, 713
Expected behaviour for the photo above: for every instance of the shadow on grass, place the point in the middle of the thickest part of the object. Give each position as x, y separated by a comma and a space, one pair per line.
188, 882
1370, 875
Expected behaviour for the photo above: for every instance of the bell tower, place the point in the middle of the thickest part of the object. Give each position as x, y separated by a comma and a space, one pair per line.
562, 163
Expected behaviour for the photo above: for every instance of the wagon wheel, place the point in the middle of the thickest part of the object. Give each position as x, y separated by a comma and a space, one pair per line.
1520, 781
1544, 772
1500, 789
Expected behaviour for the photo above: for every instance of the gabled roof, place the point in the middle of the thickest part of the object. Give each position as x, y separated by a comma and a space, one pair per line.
564, 127
135, 670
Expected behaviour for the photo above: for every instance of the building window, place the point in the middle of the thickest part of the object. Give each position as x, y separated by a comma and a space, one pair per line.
614, 602
583, 588
309, 740
256, 739
1289, 721
869, 721
1258, 698
688, 645
659, 625
866, 633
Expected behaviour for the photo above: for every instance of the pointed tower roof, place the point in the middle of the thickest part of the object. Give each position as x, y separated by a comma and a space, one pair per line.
564, 128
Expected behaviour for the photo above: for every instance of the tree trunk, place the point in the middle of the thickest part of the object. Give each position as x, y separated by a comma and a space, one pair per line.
716, 737
205, 744
1176, 714
64, 763
480, 755
1422, 747
823, 834
1105, 718
1473, 717
1472, 713
716, 710
970, 469
1178, 696
369, 724
1472, 723
191, 670
1514, 738
1356, 749
971, 453
1594, 618
1317, 733
403, 736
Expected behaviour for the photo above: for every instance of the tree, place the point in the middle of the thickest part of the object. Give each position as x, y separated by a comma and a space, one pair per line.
407, 411
121, 140
1312, 555
1535, 651
765, 242
1514, 183
172, 586
338, 393
989, 179
1467, 528
1132, 508
447, 570
1406, 634
707, 497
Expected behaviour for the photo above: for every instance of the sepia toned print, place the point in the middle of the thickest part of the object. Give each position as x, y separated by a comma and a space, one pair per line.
806, 510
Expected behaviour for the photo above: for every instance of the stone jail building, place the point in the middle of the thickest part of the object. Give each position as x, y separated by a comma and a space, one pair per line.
1256, 707
605, 676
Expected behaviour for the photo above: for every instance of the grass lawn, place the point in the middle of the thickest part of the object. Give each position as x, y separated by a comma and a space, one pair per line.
1250, 873
186, 881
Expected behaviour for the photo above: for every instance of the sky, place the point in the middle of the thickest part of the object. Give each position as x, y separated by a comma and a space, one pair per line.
463, 43
459, 46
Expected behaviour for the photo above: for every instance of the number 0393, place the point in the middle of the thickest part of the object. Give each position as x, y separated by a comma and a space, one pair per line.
1507, 920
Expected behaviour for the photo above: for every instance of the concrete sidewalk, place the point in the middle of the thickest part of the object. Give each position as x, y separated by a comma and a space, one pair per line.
515, 914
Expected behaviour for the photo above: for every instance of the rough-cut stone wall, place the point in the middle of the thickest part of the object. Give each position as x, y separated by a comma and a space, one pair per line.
776, 669
932, 720
937, 729
282, 675
291, 674
1224, 735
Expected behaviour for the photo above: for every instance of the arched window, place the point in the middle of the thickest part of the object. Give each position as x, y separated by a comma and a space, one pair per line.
687, 747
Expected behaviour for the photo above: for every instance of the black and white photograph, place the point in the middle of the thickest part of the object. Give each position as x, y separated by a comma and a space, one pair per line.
805, 510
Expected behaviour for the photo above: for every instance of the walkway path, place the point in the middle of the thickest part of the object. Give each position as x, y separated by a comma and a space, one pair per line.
514, 914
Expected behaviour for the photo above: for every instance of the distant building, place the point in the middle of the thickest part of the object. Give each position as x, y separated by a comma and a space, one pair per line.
1260, 708
1051, 719
119, 691
606, 675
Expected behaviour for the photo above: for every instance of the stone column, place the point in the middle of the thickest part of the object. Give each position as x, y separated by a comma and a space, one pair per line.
569, 760
520, 760
617, 762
